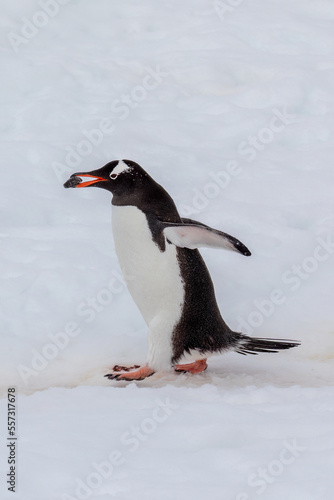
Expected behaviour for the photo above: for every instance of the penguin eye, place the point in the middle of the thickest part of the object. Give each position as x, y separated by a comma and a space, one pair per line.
113, 176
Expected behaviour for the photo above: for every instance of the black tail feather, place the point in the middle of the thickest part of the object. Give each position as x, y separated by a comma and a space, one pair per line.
248, 345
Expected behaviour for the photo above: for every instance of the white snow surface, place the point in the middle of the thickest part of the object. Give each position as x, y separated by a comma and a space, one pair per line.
230, 106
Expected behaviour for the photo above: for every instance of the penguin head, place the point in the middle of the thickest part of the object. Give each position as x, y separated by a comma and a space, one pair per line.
130, 185
118, 176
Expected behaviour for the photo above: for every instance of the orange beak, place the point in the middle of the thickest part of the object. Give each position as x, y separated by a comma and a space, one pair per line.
93, 180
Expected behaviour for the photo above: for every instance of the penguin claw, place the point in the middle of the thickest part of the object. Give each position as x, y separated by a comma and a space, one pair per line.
120, 368
112, 376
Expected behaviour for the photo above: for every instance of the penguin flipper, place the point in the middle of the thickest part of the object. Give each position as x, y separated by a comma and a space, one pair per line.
193, 234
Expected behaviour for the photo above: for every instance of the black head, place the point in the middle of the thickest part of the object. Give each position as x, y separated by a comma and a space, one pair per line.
118, 176
130, 185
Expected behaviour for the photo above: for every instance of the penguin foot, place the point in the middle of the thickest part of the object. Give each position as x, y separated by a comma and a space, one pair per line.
195, 367
140, 374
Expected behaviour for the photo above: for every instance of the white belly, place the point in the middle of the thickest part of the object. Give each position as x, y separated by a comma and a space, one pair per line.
153, 277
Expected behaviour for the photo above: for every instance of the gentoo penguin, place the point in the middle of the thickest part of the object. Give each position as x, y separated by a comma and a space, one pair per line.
166, 275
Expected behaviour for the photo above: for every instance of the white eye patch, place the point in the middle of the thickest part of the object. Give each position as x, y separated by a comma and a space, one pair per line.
119, 169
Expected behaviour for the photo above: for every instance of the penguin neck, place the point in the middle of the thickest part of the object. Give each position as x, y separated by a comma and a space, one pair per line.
154, 201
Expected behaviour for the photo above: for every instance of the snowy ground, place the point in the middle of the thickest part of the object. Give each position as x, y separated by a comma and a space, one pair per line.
229, 105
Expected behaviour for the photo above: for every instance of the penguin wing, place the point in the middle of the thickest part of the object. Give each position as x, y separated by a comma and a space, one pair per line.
192, 234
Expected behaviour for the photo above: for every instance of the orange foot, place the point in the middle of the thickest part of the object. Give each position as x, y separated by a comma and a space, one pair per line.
140, 374
195, 367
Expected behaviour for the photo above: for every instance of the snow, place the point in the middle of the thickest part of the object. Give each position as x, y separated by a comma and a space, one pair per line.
229, 105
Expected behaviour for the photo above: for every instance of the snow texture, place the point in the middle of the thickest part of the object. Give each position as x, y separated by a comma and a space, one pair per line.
229, 105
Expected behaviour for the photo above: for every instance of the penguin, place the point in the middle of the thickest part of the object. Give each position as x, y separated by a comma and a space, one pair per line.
166, 275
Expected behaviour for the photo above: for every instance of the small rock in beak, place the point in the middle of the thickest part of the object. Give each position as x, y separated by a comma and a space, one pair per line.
72, 182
